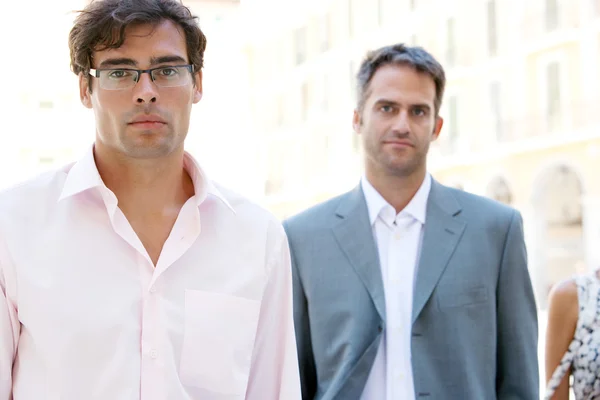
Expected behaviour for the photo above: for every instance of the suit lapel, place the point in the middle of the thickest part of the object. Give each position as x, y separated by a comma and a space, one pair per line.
355, 237
442, 232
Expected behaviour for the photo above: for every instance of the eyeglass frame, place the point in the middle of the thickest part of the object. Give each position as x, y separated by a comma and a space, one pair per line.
96, 73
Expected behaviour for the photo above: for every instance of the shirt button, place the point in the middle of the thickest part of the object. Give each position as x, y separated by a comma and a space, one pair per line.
153, 289
153, 354
397, 236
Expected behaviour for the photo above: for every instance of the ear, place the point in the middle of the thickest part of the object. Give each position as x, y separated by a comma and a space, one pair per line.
439, 122
84, 90
198, 87
356, 121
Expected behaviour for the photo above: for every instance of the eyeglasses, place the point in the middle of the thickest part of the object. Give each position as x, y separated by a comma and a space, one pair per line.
125, 78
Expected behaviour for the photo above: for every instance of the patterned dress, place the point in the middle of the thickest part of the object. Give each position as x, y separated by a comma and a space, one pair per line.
582, 358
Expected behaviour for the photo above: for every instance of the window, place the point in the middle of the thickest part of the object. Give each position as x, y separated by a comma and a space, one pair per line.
305, 97
492, 38
553, 96
380, 12
350, 19
45, 160
596, 6
551, 14
353, 88
280, 110
325, 35
46, 104
450, 47
496, 111
413, 40
300, 45
453, 116
276, 168
325, 94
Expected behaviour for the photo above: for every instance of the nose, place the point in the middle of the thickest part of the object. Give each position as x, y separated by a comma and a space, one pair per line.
145, 90
401, 123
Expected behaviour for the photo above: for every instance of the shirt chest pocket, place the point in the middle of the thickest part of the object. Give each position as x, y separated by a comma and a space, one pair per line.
452, 296
218, 341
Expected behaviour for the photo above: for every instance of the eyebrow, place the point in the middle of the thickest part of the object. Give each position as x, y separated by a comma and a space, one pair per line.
386, 101
113, 62
393, 103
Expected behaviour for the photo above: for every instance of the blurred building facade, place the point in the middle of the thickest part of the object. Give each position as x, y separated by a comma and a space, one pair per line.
521, 109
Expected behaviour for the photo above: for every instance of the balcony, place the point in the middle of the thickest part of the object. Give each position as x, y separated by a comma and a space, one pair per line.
549, 17
577, 117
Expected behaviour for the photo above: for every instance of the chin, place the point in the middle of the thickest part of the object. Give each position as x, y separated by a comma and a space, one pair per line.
403, 169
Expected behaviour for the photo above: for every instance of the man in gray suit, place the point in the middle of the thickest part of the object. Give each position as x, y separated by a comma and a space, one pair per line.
405, 288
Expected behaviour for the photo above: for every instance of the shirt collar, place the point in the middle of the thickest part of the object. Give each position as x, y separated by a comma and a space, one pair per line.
376, 204
84, 175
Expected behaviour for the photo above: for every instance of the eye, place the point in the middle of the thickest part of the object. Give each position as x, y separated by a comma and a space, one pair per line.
386, 108
119, 73
168, 72
419, 111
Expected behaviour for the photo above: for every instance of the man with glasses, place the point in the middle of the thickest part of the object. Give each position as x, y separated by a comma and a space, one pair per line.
129, 274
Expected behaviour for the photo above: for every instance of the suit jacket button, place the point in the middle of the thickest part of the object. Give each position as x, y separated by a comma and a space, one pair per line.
380, 328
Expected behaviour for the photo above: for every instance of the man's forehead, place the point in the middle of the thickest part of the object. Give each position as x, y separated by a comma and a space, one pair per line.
144, 42
402, 82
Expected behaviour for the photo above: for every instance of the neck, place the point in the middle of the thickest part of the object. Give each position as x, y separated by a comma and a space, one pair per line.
398, 191
145, 185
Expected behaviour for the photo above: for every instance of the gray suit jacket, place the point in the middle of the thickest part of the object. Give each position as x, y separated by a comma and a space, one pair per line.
474, 331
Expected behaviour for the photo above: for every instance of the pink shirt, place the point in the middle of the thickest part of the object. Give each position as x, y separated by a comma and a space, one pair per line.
84, 314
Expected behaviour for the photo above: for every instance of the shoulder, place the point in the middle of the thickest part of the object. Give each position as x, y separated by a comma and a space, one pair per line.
317, 217
43, 184
483, 212
563, 297
247, 213
33, 197
482, 205
563, 310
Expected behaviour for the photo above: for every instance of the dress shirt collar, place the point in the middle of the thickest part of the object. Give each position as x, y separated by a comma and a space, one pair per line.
379, 207
84, 175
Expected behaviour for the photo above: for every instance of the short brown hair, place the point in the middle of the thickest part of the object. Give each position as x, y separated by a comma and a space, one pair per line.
101, 25
400, 54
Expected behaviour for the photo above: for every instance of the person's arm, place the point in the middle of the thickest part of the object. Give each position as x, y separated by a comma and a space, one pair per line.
563, 312
274, 370
9, 325
308, 378
517, 369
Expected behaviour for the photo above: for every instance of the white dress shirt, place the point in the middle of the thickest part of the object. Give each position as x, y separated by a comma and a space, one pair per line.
84, 314
399, 238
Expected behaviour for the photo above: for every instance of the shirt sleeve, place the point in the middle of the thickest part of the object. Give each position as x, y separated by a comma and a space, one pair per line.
274, 371
9, 324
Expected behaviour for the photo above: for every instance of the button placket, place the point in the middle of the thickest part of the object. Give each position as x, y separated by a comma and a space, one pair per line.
152, 375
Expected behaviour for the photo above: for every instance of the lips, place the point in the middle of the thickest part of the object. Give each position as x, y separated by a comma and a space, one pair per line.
147, 119
399, 143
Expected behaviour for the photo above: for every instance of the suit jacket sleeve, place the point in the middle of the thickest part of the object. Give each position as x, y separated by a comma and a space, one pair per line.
306, 361
517, 370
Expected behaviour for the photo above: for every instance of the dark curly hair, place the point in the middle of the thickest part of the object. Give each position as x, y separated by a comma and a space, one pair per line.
101, 25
